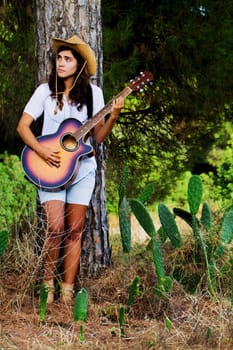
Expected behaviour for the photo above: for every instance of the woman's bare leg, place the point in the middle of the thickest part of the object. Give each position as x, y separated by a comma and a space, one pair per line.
74, 221
54, 213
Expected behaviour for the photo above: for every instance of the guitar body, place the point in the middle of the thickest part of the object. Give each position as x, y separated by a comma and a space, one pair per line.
70, 151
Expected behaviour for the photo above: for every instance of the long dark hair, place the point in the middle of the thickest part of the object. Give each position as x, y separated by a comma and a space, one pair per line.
79, 92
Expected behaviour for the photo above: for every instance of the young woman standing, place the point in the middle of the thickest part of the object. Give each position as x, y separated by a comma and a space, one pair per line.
66, 95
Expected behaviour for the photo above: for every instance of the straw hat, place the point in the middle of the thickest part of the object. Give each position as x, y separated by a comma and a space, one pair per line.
81, 47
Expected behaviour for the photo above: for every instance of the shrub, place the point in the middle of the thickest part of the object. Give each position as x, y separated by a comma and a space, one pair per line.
17, 196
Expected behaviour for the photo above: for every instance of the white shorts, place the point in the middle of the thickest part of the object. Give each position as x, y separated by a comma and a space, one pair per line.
78, 193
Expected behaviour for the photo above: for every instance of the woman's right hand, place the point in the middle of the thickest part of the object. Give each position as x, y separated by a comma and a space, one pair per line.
51, 156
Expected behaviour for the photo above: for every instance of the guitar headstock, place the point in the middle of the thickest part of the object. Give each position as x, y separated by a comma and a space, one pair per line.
145, 78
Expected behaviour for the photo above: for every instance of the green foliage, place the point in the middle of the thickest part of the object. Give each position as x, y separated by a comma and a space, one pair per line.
200, 53
16, 60
222, 179
17, 195
141, 164
123, 58
192, 94
4, 238
202, 227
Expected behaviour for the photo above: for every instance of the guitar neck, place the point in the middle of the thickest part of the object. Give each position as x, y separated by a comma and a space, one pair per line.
85, 128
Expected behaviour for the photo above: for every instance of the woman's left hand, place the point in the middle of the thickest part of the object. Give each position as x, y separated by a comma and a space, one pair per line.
117, 105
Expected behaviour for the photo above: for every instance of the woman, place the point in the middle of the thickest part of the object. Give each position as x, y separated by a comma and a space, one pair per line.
65, 96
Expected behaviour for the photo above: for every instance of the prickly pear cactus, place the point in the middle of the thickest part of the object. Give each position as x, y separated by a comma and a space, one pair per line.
134, 290
43, 301
81, 305
226, 234
143, 216
206, 217
145, 220
122, 185
124, 213
158, 260
185, 215
194, 193
169, 225
147, 193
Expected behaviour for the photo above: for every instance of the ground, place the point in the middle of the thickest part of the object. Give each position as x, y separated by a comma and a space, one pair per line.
178, 321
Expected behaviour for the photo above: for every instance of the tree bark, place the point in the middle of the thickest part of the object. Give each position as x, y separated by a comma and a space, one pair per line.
56, 18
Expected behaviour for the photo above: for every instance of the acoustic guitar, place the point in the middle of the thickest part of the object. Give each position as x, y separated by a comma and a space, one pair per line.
69, 139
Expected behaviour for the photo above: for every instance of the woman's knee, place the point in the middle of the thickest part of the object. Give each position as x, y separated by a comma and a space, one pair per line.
75, 235
55, 232
55, 228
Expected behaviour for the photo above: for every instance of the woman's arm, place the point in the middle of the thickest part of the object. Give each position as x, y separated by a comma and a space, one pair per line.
102, 130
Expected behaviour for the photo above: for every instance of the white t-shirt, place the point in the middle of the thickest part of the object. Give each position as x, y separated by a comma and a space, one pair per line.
42, 102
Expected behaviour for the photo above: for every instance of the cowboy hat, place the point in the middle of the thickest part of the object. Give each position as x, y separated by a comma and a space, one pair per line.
81, 47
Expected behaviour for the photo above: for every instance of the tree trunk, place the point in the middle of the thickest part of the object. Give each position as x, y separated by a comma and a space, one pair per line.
63, 19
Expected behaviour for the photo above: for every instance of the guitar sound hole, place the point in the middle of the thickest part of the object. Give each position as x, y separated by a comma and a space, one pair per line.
69, 143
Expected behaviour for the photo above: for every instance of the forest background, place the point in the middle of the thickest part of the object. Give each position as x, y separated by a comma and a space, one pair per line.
182, 125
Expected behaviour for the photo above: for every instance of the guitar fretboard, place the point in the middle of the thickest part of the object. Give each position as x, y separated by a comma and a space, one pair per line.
85, 128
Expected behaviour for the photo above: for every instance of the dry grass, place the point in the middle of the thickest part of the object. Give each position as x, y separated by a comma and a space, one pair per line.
196, 322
